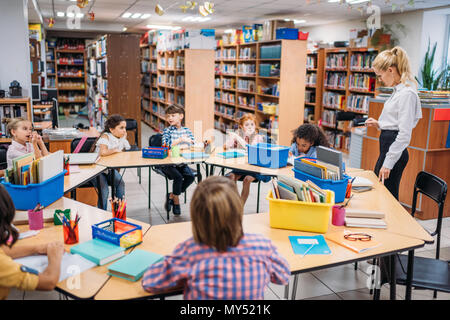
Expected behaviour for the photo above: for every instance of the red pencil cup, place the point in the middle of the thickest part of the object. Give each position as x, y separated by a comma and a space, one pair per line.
35, 219
67, 168
338, 215
70, 234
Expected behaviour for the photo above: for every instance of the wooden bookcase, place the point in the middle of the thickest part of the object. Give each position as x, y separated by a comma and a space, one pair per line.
241, 88
348, 83
35, 59
13, 108
114, 79
50, 62
314, 85
183, 77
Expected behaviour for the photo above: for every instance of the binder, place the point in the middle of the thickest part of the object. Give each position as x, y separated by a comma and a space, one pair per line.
50, 165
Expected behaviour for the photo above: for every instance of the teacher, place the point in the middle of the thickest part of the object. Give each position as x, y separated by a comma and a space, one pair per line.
401, 112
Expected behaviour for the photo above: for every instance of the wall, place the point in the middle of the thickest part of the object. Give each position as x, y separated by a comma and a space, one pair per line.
14, 53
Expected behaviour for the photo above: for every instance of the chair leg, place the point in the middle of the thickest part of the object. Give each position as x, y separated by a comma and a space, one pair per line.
257, 203
356, 265
139, 174
167, 192
185, 197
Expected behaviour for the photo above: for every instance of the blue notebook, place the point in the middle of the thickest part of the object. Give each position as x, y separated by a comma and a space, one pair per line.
133, 265
194, 155
231, 154
304, 245
309, 169
98, 251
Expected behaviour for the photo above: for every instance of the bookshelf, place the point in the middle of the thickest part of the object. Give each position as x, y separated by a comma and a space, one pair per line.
184, 77
348, 83
35, 61
50, 47
261, 78
313, 85
114, 79
13, 108
70, 68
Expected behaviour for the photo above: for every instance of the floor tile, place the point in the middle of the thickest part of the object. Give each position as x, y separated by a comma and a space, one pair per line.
342, 278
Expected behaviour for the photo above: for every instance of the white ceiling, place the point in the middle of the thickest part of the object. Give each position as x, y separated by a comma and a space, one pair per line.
228, 13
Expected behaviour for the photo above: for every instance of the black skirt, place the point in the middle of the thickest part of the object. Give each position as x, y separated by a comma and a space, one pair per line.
387, 137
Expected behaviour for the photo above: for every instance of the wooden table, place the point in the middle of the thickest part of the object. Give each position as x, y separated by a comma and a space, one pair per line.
90, 281
156, 240
76, 179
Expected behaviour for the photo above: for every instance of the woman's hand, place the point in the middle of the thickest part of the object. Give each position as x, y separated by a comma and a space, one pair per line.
371, 122
384, 174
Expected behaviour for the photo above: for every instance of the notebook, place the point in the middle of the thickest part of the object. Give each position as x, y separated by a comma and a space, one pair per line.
98, 251
309, 169
51, 165
194, 155
82, 158
133, 265
357, 213
330, 156
231, 154
294, 183
309, 245
286, 194
365, 223
356, 246
361, 182
275, 192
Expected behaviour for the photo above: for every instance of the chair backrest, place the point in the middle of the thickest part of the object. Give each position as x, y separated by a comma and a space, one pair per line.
431, 186
133, 125
155, 140
86, 146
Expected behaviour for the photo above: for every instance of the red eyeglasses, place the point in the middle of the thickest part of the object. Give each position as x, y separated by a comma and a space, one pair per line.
358, 236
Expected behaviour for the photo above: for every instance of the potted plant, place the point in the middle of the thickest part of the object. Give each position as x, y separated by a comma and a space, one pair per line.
431, 79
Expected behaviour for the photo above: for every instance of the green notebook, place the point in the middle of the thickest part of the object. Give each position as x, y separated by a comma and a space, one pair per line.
98, 251
133, 265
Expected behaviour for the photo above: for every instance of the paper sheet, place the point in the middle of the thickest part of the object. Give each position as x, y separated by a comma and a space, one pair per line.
74, 168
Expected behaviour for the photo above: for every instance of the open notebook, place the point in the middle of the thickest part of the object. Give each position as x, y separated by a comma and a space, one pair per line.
82, 158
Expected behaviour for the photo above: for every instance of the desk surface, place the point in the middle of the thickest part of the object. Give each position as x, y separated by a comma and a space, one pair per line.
93, 279
87, 172
157, 240
134, 159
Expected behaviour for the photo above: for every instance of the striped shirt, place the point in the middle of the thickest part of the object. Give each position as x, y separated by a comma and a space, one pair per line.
241, 273
172, 133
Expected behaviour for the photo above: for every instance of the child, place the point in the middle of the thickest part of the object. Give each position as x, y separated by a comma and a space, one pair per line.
213, 263
12, 274
182, 175
247, 134
22, 134
306, 138
112, 140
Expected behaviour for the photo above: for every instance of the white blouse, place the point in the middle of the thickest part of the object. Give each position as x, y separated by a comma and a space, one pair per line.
401, 112
113, 142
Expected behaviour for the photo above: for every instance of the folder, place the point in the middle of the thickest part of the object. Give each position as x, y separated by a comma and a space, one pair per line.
331, 156
98, 251
51, 165
356, 246
321, 167
312, 170
133, 265
315, 245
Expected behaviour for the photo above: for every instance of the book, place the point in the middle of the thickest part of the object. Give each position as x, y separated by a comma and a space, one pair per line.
285, 186
321, 167
309, 169
294, 183
17, 165
331, 156
357, 213
133, 265
50, 165
286, 194
357, 246
365, 223
332, 170
275, 193
98, 251
309, 245
361, 182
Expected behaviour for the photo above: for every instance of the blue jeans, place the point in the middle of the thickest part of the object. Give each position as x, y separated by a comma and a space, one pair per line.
104, 189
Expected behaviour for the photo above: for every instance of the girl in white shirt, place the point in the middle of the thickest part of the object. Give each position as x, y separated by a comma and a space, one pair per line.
112, 140
400, 115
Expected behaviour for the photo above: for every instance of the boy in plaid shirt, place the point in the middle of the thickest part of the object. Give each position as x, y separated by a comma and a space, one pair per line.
220, 261
182, 175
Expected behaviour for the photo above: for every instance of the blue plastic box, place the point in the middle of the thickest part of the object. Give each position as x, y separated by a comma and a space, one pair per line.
287, 33
339, 187
155, 152
268, 155
119, 232
45, 193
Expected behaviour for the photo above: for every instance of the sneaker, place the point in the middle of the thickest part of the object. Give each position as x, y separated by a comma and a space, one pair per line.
169, 203
176, 209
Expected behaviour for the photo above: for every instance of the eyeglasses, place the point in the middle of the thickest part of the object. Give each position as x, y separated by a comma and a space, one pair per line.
358, 236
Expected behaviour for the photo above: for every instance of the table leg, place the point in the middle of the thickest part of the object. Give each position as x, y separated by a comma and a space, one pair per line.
207, 169
294, 287
393, 278
199, 173
211, 170
286, 291
149, 187
111, 179
409, 274
99, 191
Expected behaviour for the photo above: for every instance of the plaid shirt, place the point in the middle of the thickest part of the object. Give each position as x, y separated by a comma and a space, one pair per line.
172, 133
241, 273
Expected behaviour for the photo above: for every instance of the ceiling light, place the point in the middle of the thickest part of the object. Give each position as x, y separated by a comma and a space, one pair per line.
299, 21
126, 15
80, 15
60, 14
145, 15
136, 15
154, 26
356, 1
70, 14
287, 19
124, 29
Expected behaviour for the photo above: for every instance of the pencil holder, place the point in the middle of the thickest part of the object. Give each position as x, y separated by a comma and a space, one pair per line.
122, 215
71, 234
56, 220
67, 168
35, 219
338, 216
348, 192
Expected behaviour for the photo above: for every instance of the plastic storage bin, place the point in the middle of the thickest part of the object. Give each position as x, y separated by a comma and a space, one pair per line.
118, 232
155, 152
287, 33
268, 155
45, 193
300, 215
339, 187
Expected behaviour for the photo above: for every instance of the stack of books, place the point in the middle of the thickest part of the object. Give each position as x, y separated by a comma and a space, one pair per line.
364, 219
288, 188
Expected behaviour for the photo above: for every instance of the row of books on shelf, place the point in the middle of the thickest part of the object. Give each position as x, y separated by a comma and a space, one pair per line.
310, 79
70, 72
335, 80
246, 85
224, 126
247, 69
247, 53
101, 104
273, 89
248, 101
228, 53
333, 100
311, 62
362, 81
78, 59
225, 97
100, 47
310, 96
225, 110
71, 85
11, 111
336, 60
67, 44
340, 141
434, 97
362, 61
102, 86
148, 66
51, 82
228, 69
359, 103
71, 97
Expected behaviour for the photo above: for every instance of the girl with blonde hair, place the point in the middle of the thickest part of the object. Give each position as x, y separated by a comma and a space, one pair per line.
401, 112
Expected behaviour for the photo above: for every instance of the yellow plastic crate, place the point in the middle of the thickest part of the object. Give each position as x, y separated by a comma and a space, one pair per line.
299, 215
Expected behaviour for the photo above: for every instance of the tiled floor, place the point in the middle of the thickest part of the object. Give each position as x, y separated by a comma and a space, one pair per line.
338, 283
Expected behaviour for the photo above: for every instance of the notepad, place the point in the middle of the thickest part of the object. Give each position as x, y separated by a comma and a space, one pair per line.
98, 251
133, 265
231, 154
309, 245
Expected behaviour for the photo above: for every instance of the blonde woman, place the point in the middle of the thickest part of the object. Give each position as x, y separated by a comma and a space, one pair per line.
401, 112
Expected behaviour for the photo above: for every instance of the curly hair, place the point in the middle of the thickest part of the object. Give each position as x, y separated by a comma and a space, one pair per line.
311, 133
7, 212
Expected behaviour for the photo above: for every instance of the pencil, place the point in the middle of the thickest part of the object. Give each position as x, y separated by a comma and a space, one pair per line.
308, 250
